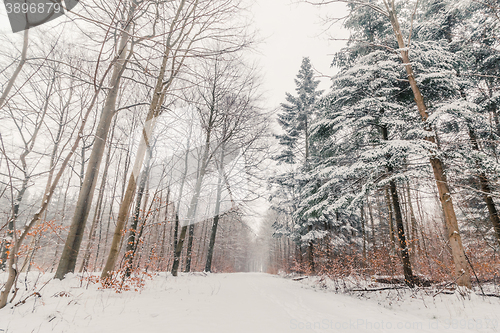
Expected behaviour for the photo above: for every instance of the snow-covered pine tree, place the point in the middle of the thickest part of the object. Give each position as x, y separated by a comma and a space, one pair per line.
358, 140
402, 30
463, 116
483, 46
295, 119
296, 116
434, 67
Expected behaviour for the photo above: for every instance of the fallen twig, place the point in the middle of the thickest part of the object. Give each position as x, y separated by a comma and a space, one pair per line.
36, 293
299, 278
448, 284
379, 289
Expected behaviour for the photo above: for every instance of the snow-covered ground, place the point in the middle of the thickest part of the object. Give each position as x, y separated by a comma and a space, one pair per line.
243, 302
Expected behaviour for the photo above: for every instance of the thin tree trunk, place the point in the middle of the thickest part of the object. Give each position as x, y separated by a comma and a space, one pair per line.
181, 191
372, 223
203, 249
191, 214
391, 219
176, 229
403, 244
192, 207
409, 279
182, 23
164, 231
111, 205
413, 221
132, 239
99, 239
191, 211
95, 222
363, 232
382, 222
189, 250
208, 265
53, 156
178, 250
405, 212
310, 253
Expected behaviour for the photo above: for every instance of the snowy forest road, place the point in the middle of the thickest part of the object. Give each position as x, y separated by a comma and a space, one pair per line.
239, 303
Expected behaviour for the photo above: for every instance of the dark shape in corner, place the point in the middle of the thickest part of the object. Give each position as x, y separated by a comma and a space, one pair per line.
26, 14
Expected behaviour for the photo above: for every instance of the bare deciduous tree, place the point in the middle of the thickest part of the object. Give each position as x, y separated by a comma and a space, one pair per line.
193, 25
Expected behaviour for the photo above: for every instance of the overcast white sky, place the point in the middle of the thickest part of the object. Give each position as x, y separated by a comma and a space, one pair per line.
292, 31
4, 20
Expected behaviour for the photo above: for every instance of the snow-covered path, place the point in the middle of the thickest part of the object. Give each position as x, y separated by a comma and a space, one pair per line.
240, 303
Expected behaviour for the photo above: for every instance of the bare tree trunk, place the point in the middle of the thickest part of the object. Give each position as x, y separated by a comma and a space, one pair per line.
191, 214
381, 220
98, 211
164, 231
403, 244
181, 191
208, 265
203, 248
12, 222
192, 209
409, 279
132, 239
405, 211
176, 230
111, 206
372, 223
413, 221
178, 250
461, 267
95, 222
194, 200
310, 253
72, 246
391, 219
53, 157
363, 231
144, 145
189, 249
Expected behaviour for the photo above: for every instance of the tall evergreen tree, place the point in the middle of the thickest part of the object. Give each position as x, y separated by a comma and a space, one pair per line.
372, 91
295, 119
361, 143
296, 116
